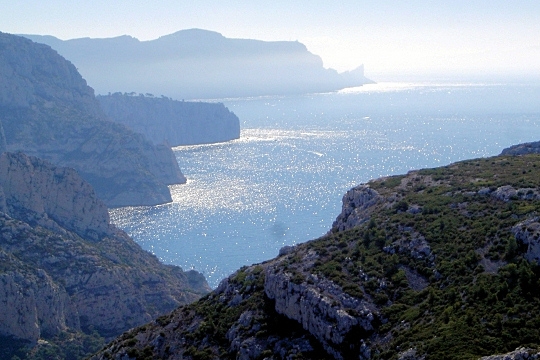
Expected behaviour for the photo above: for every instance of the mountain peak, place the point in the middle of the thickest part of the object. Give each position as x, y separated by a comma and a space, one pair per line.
193, 34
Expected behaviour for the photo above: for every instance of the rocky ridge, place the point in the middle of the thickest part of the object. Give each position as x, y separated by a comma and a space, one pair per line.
200, 64
65, 270
437, 263
163, 120
47, 110
522, 149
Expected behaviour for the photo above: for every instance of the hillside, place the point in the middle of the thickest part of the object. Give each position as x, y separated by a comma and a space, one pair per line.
163, 120
200, 64
47, 110
69, 279
436, 264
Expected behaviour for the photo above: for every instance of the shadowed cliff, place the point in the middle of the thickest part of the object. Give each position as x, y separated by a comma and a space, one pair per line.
47, 110
175, 123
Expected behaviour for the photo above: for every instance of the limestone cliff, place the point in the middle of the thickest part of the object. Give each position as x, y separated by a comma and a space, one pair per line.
53, 197
47, 110
436, 264
164, 120
65, 269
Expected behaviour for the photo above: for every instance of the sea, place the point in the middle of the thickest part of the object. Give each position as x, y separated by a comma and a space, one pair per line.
283, 181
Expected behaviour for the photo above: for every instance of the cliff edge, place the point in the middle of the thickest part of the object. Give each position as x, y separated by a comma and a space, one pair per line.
48, 111
66, 273
175, 123
439, 263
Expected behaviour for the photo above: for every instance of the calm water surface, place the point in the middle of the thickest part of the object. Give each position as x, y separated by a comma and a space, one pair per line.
282, 182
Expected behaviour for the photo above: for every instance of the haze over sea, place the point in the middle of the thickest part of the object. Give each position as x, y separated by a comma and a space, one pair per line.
282, 182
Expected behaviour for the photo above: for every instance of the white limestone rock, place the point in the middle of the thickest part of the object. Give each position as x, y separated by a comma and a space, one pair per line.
42, 191
528, 233
357, 203
322, 308
518, 354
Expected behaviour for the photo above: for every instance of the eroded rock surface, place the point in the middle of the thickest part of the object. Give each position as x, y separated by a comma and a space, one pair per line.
64, 267
357, 203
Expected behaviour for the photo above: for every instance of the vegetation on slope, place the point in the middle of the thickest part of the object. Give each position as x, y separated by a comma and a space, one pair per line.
448, 259
475, 293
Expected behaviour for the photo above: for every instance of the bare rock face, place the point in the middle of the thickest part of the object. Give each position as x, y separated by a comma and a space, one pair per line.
323, 309
36, 191
48, 111
518, 354
33, 304
64, 267
356, 205
528, 233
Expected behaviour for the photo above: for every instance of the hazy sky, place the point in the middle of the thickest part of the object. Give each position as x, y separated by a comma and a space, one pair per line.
394, 39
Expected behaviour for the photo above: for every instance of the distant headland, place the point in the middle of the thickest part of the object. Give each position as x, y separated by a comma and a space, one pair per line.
164, 120
201, 64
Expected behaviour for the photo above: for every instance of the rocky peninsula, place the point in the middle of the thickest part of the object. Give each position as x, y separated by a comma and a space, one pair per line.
167, 121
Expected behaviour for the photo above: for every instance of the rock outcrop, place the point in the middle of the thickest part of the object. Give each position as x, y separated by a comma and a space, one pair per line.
199, 64
47, 110
522, 149
323, 309
65, 269
437, 263
527, 233
357, 204
518, 354
38, 193
175, 123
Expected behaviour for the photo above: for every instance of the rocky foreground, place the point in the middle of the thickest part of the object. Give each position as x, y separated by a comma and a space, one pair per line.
436, 264
68, 278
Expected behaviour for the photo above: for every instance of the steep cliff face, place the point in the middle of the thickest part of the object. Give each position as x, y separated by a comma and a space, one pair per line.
164, 120
65, 268
357, 206
3, 146
47, 110
38, 193
438, 263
